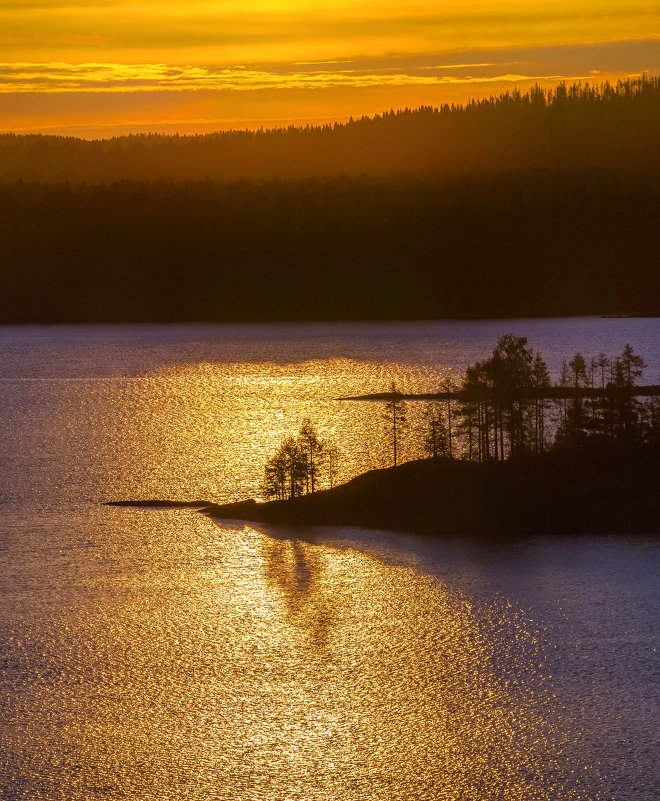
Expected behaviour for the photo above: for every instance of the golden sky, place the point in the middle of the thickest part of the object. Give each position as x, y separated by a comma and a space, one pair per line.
104, 67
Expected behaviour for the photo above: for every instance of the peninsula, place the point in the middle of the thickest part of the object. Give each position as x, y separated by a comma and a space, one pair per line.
494, 469
604, 488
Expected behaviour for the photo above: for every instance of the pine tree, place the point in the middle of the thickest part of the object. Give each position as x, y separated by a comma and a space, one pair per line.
436, 441
396, 419
308, 438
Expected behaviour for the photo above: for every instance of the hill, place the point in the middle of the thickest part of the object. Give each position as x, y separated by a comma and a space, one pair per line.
536, 204
527, 243
573, 127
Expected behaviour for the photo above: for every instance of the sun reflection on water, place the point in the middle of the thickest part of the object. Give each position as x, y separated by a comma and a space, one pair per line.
219, 662
175, 659
205, 431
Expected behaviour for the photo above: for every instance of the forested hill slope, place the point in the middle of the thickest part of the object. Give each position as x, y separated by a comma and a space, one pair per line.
525, 205
509, 244
605, 126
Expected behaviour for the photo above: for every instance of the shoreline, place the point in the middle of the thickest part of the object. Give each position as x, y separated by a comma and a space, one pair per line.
597, 490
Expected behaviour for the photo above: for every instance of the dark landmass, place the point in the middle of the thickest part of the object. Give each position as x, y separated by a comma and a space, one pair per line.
519, 393
611, 488
534, 204
581, 126
508, 244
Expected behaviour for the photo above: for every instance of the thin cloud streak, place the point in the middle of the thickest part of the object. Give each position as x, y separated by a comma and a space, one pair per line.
60, 77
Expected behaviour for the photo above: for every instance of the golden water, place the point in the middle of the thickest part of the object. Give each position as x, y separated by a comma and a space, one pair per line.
150, 654
201, 662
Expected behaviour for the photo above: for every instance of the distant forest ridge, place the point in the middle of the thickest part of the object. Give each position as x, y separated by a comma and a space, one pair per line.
579, 126
504, 244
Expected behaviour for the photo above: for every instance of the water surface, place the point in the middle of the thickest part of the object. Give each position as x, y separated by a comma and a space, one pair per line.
160, 655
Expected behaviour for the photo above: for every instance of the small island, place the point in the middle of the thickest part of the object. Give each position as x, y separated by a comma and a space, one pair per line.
593, 490
509, 454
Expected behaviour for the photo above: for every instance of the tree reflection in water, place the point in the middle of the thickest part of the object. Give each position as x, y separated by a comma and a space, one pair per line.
296, 568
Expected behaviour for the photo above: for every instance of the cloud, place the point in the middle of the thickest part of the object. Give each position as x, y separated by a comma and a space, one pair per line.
26, 6
103, 98
230, 32
62, 77
488, 66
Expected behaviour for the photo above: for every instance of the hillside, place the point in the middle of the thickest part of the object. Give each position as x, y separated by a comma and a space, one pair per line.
537, 204
576, 127
533, 243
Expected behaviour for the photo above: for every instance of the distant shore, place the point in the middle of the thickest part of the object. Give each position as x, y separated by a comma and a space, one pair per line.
394, 247
601, 489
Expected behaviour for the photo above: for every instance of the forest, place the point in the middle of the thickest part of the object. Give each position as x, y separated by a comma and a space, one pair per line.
529, 204
508, 408
520, 243
579, 126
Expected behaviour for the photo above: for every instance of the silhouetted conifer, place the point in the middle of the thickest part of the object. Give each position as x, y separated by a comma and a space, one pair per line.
396, 420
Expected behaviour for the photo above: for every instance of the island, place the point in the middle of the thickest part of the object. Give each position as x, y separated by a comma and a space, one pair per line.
509, 454
606, 488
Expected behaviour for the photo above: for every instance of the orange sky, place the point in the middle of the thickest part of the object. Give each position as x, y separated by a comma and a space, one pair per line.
103, 67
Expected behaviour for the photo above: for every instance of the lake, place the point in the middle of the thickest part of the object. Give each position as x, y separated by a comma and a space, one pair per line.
152, 654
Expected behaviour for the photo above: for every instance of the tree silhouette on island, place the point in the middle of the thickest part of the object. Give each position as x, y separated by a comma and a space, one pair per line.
502, 475
506, 406
295, 468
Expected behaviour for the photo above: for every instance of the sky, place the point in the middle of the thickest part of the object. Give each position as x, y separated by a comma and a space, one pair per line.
99, 68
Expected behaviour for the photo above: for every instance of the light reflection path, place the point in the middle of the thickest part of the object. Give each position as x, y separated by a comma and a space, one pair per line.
224, 662
212, 426
153, 655
402, 687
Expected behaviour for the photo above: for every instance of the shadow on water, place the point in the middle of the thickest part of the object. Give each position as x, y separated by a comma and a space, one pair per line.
296, 568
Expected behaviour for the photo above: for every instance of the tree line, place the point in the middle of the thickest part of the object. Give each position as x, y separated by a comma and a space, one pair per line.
505, 406
578, 126
526, 243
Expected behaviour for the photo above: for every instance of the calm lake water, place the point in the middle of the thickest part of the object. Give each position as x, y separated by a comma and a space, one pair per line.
151, 654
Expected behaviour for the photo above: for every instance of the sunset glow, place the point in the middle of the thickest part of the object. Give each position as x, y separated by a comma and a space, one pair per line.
98, 67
